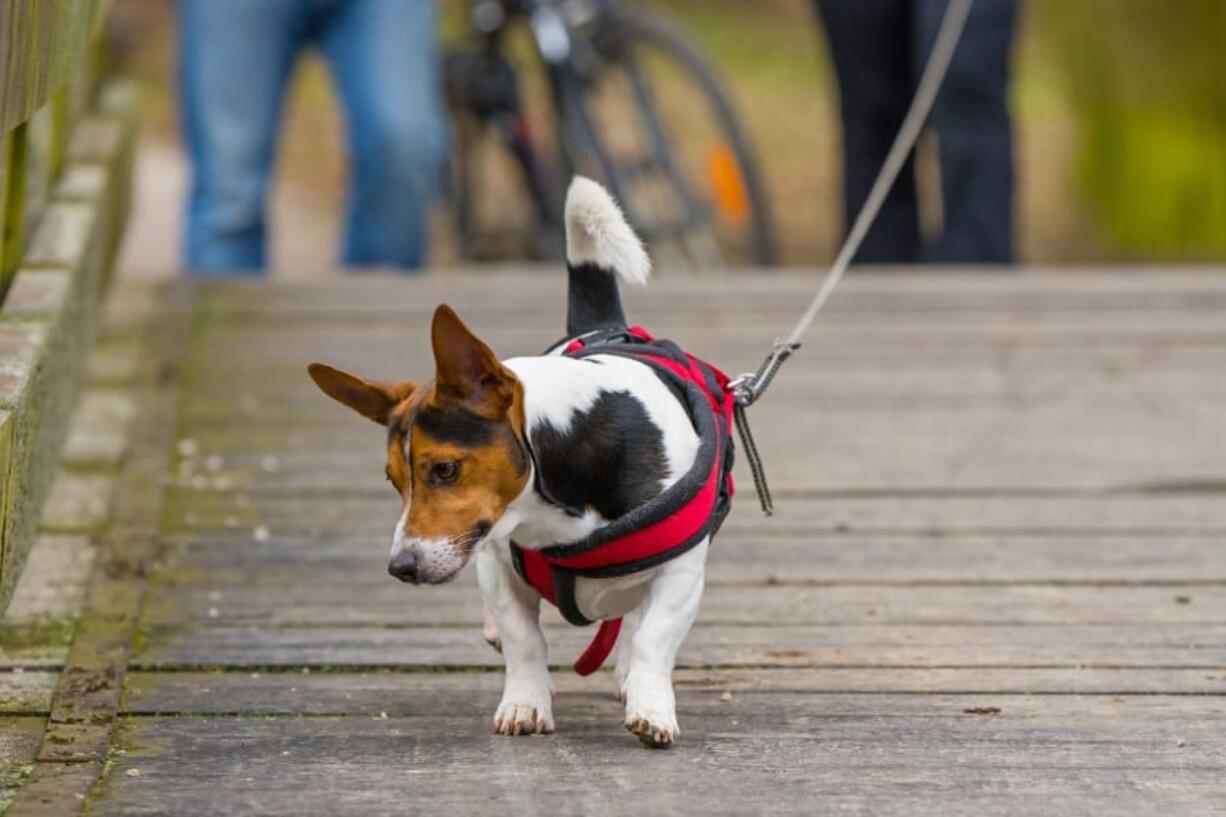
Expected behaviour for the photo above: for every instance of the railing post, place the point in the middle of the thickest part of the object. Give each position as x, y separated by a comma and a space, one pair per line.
13, 227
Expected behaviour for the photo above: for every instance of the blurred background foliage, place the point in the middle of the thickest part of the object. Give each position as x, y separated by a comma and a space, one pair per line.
1146, 80
1119, 108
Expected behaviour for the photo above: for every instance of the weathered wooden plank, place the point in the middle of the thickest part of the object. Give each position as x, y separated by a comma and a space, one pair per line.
875, 755
38, 626
25, 693
53, 584
33, 648
324, 598
83, 707
78, 503
1095, 440
414, 694
339, 511
1096, 430
895, 646
100, 431
401, 348
507, 311
19, 738
952, 382
916, 400
740, 312
928, 290
55, 788
234, 557
275, 412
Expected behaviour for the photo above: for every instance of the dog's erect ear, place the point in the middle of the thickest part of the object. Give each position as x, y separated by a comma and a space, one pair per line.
369, 398
464, 365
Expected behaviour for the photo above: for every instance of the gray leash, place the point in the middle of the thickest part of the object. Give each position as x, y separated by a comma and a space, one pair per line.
750, 386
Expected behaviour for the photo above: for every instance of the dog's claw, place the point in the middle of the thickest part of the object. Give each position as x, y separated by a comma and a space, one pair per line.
522, 719
653, 735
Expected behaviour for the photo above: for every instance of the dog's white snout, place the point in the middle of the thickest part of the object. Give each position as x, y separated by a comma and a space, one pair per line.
434, 559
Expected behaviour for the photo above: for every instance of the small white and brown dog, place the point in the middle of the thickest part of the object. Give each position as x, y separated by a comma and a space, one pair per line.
493, 459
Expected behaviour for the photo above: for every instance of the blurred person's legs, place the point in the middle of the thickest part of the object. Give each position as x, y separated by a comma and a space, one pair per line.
235, 62
971, 118
383, 56
870, 45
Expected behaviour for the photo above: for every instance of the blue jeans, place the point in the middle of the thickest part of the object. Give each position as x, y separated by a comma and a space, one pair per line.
236, 57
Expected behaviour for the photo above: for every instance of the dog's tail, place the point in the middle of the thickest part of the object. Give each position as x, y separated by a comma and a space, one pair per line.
600, 248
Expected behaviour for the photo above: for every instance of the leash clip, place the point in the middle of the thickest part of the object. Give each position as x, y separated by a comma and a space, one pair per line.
746, 389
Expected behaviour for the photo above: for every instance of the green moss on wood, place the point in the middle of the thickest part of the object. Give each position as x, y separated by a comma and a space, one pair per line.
51, 633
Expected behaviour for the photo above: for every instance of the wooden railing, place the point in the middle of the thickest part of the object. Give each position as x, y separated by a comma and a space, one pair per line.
66, 142
49, 67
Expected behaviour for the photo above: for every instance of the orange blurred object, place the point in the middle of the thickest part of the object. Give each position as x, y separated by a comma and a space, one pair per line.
726, 184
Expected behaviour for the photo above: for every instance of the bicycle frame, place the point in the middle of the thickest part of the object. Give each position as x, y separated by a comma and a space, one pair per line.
569, 60
575, 40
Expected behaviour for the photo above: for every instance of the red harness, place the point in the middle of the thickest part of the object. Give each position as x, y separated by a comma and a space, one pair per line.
668, 525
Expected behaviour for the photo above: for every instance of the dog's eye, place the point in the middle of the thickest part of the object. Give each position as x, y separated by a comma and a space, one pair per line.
445, 472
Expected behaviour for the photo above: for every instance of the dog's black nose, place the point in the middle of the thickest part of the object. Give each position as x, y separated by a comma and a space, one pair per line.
404, 567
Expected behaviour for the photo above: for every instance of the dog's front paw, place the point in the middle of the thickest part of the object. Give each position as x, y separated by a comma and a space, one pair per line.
524, 715
656, 730
651, 713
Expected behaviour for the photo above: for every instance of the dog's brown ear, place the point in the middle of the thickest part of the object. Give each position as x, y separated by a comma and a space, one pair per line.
369, 398
465, 366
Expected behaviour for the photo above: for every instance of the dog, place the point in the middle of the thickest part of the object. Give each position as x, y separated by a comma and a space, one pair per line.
593, 475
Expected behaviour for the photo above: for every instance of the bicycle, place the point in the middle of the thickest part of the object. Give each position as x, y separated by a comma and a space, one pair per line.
684, 171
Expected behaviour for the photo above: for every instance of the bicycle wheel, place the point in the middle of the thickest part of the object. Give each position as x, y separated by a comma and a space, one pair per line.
494, 163
652, 121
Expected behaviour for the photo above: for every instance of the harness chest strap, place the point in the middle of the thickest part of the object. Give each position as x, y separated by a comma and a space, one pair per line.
666, 527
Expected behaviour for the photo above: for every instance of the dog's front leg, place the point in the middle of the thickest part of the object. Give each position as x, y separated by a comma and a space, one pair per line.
527, 705
664, 620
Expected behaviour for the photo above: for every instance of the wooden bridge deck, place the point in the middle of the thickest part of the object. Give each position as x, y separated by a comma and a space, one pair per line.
996, 581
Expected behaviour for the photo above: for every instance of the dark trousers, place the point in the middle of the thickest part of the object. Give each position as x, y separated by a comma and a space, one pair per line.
879, 48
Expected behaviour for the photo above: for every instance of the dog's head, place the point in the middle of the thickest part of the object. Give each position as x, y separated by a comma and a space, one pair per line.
455, 448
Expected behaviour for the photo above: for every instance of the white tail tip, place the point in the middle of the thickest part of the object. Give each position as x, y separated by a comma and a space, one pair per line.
597, 233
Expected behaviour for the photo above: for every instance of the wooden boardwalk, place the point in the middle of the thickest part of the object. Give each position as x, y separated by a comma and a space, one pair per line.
995, 583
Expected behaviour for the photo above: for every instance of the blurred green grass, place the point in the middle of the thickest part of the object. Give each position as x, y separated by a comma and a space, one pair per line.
1147, 80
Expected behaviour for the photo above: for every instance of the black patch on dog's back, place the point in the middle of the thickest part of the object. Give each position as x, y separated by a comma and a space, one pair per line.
456, 425
611, 458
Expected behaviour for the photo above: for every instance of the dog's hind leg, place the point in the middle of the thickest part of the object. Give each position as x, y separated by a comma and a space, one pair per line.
527, 698
665, 618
